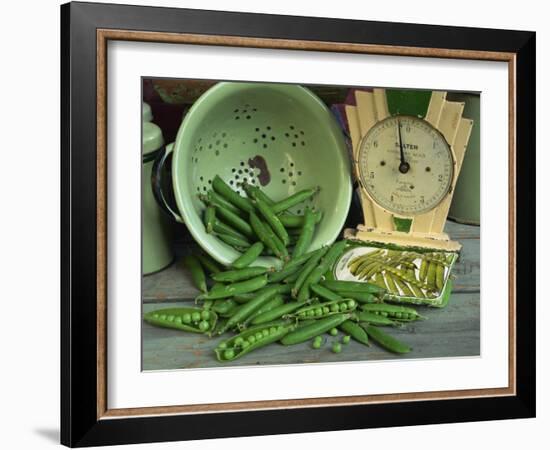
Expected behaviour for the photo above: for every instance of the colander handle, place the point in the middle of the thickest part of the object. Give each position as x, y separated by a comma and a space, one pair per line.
161, 181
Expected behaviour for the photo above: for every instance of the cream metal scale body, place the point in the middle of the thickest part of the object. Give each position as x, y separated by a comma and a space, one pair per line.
407, 169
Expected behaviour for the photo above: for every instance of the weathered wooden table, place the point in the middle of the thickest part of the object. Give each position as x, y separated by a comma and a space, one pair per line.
448, 332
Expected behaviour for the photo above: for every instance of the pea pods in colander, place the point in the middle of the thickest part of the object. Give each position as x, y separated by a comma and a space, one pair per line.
294, 199
271, 218
194, 320
322, 310
295, 221
252, 339
255, 191
230, 195
264, 235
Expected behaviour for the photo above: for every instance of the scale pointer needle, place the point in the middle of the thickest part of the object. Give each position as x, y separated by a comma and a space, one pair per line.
404, 165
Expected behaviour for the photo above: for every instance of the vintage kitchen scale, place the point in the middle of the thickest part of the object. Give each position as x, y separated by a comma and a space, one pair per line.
408, 148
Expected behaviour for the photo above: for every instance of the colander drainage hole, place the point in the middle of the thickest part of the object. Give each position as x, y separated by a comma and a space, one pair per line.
282, 169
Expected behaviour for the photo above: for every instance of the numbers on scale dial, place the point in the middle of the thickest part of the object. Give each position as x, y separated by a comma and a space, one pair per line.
422, 182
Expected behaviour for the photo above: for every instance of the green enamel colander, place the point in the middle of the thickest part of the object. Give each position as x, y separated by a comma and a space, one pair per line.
279, 137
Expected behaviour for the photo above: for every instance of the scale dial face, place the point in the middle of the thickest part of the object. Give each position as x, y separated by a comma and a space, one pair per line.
405, 165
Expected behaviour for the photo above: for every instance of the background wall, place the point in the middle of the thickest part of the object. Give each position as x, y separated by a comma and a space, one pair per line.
29, 225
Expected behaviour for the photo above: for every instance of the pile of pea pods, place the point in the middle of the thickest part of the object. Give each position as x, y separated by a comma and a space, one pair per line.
258, 306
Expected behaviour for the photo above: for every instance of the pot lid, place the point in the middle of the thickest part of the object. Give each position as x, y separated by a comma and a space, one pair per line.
146, 113
152, 138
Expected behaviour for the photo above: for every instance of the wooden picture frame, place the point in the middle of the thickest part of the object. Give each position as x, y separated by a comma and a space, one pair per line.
85, 416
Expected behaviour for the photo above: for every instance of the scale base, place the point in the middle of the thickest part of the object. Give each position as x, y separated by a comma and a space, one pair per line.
436, 241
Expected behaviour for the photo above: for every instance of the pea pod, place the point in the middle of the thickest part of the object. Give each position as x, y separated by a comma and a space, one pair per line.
245, 298
194, 320
234, 241
317, 327
403, 287
251, 339
208, 263
219, 227
351, 286
290, 267
275, 302
326, 264
235, 221
397, 312
360, 297
261, 230
272, 219
249, 256
255, 191
209, 218
386, 341
325, 293
312, 263
294, 199
277, 313
417, 292
239, 288
232, 276
376, 319
430, 277
390, 283
197, 272
216, 200
321, 310
250, 307
224, 306
230, 195
295, 221
304, 241
356, 331
439, 276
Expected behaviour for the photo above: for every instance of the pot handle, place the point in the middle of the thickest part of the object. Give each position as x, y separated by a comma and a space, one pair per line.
161, 182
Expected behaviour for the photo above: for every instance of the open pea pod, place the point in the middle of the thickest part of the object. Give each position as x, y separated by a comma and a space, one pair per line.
251, 339
325, 309
195, 320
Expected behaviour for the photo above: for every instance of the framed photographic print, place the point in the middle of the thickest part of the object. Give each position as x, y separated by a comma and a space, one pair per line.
261, 212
